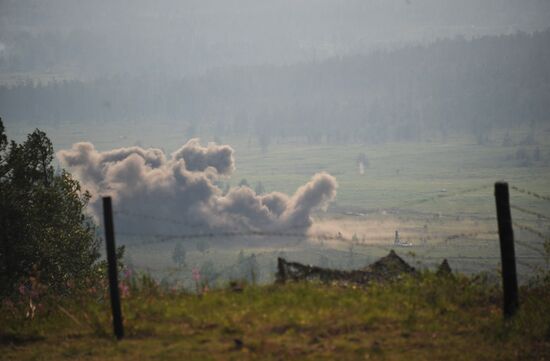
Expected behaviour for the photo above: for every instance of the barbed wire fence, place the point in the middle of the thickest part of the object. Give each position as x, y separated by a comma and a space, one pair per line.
243, 253
539, 241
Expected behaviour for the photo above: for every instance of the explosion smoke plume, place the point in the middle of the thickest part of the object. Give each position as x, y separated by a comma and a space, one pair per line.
182, 187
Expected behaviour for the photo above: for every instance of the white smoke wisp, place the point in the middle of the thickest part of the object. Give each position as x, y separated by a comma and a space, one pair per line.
182, 188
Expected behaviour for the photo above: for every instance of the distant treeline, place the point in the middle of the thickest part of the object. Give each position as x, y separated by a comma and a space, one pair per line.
455, 85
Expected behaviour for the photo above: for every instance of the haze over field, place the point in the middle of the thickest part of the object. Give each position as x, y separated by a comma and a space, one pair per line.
411, 109
321, 70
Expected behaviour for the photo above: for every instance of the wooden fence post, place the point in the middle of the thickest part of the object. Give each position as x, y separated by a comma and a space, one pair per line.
113, 270
507, 253
281, 271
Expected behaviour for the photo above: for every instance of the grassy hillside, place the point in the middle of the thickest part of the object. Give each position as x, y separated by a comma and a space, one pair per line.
412, 319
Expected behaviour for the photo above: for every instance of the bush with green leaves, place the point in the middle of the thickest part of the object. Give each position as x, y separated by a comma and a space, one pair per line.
45, 235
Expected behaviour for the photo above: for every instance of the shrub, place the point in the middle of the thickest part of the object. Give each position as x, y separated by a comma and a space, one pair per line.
45, 235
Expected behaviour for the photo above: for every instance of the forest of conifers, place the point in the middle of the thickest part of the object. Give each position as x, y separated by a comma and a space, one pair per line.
411, 93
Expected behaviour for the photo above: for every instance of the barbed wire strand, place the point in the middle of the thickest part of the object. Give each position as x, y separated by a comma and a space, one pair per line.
531, 230
530, 212
525, 264
155, 218
479, 260
445, 195
531, 193
531, 247
182, 223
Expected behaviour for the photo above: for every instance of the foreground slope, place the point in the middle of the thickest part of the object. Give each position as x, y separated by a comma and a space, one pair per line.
418, 318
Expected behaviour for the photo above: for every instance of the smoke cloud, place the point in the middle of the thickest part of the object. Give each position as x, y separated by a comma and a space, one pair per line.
182, 188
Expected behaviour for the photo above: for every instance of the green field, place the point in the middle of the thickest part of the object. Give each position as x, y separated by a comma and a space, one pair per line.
399, 173
438, 194
426, 318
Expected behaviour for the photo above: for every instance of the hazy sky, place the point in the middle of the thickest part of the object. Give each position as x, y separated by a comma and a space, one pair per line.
182, 37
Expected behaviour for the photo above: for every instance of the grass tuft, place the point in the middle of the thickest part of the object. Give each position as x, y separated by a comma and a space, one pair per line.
417, 317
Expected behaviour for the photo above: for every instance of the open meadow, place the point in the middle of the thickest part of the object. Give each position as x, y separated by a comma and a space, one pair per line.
438, 194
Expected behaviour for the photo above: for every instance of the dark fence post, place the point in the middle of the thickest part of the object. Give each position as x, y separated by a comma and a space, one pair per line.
281, 271
113, 270
507, 254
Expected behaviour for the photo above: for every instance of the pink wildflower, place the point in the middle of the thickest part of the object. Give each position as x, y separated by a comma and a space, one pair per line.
124, 290
197, 278
128, 273
196, 274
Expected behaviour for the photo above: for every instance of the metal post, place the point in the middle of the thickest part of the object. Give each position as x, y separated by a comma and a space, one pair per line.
113, 271
507, 253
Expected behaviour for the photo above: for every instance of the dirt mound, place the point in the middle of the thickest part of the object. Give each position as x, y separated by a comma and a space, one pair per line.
389, 267
444, 270
385, 269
